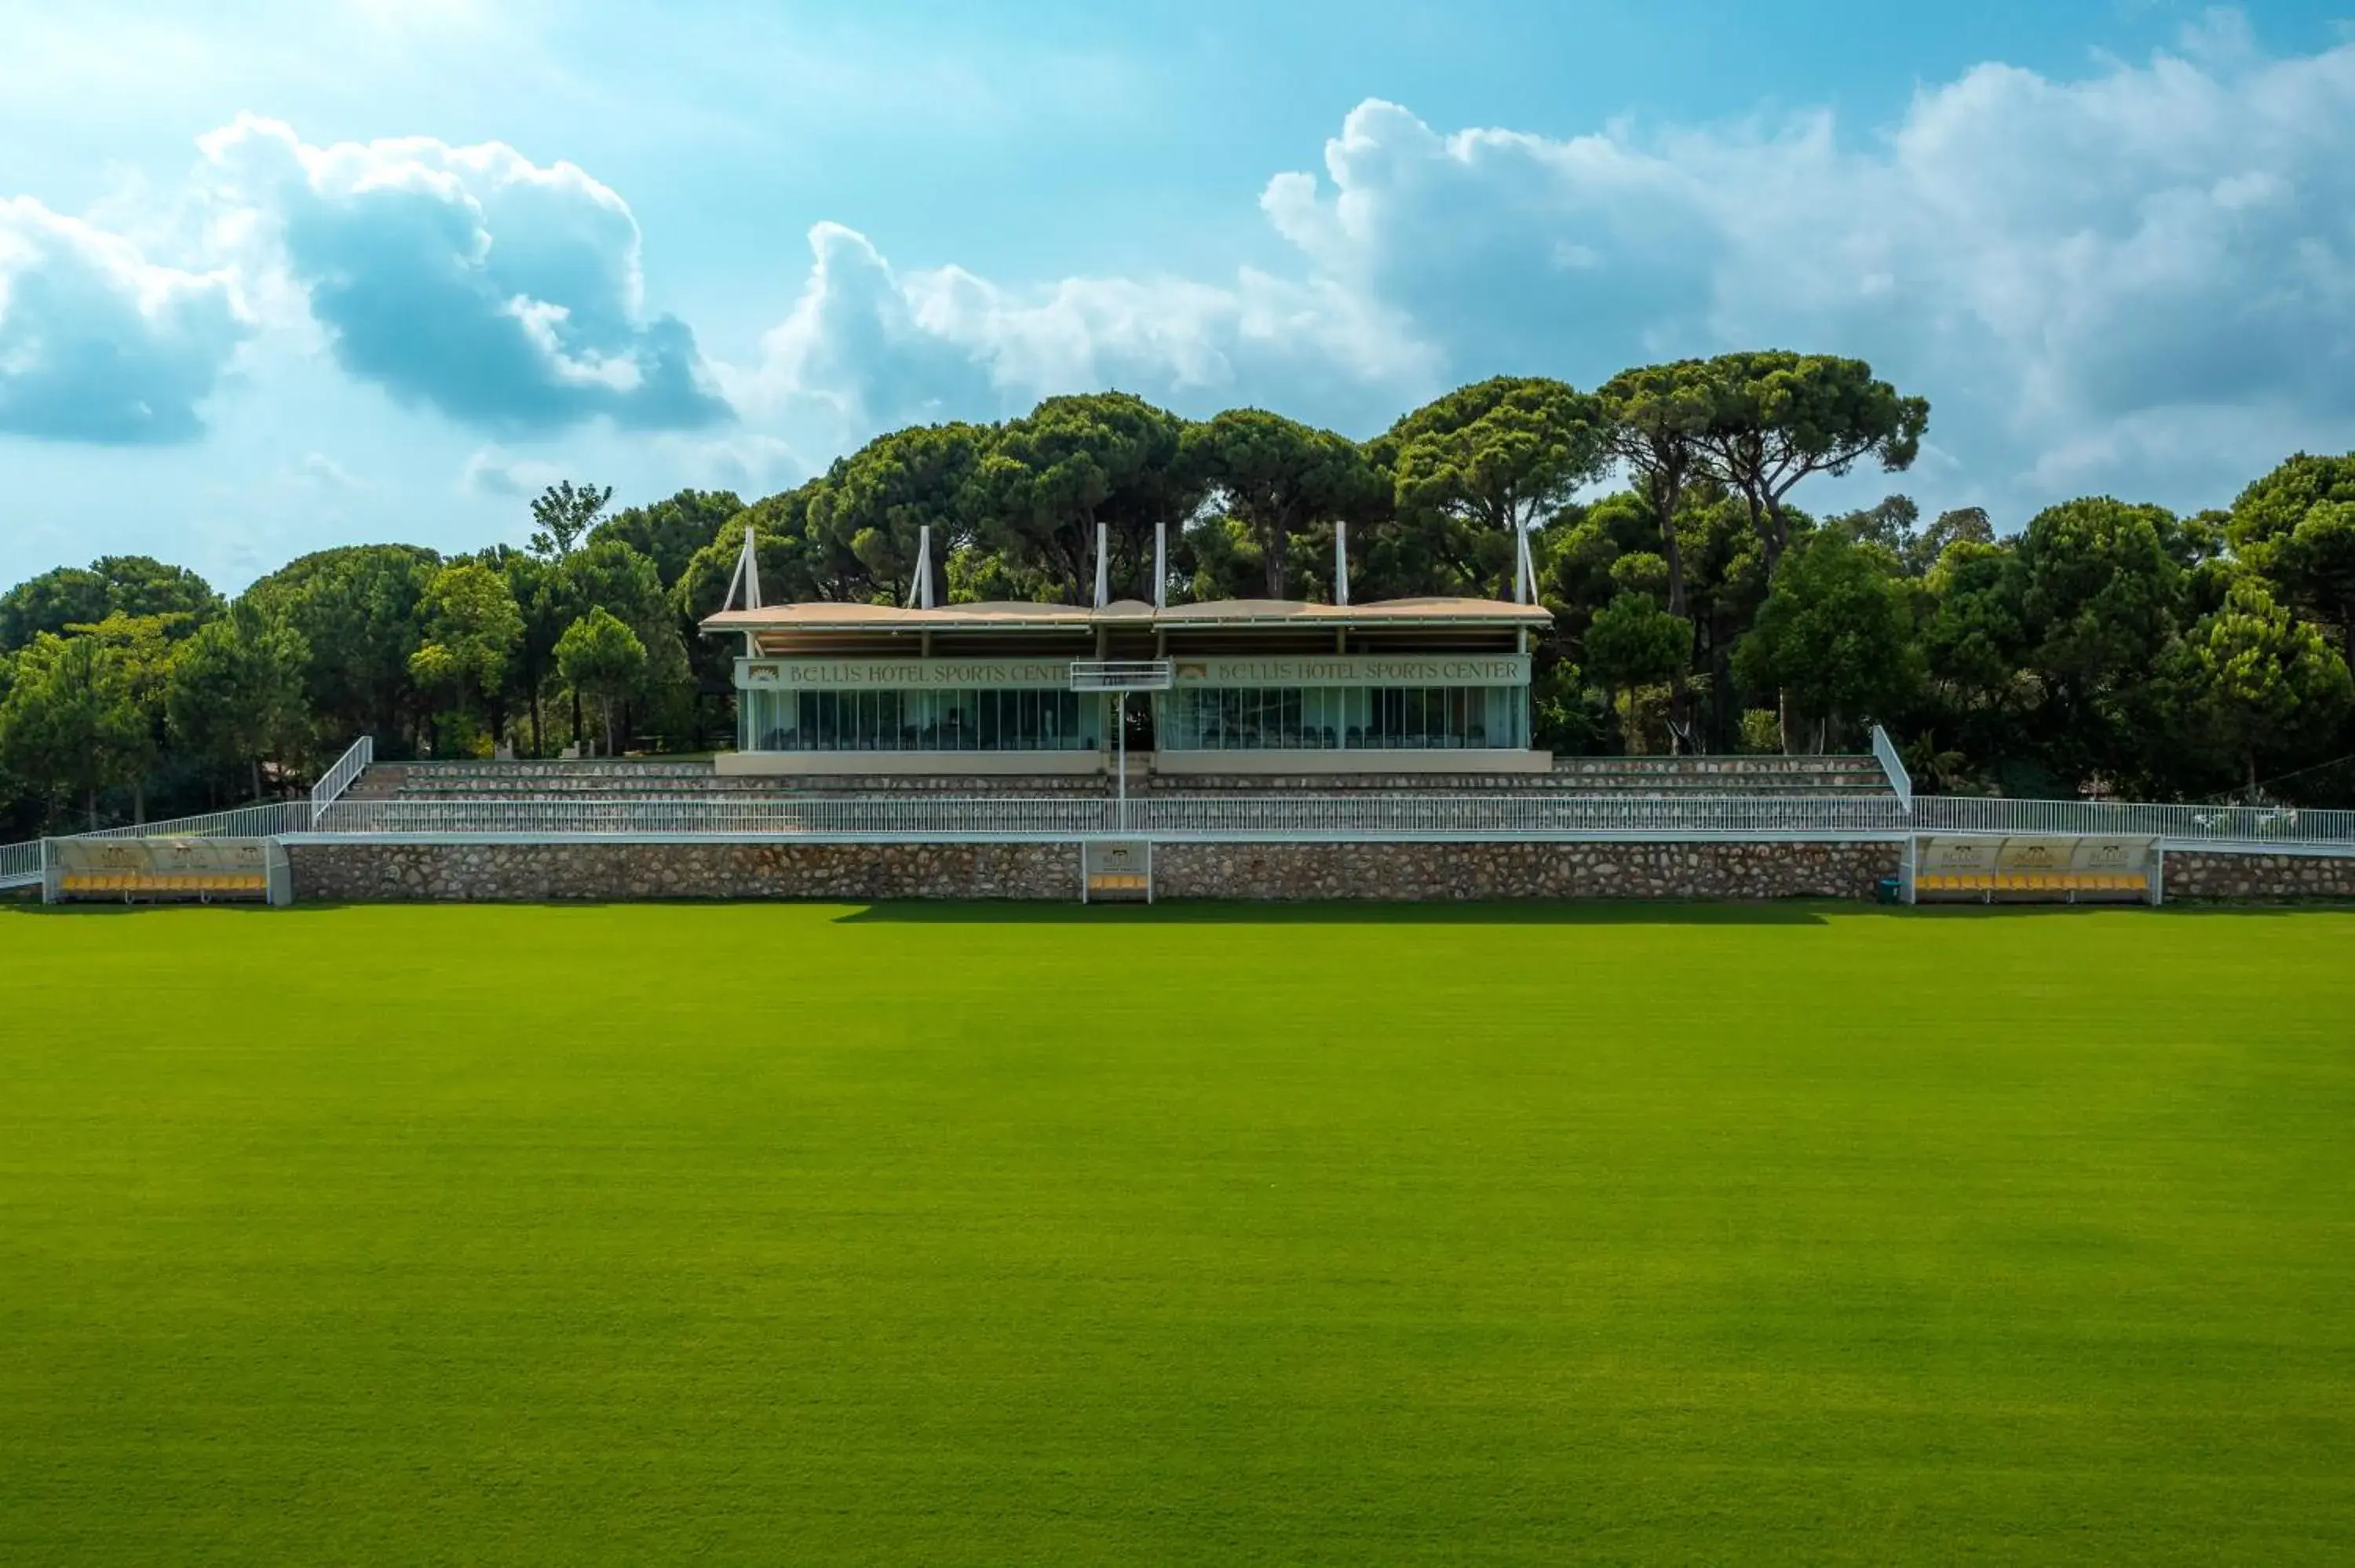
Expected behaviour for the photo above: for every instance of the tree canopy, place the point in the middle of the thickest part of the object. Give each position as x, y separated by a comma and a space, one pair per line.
2102, 645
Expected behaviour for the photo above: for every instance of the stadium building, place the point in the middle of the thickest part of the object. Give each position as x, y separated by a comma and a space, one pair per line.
1234, 686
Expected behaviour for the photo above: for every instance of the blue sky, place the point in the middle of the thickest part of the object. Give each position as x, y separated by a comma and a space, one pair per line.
279, 277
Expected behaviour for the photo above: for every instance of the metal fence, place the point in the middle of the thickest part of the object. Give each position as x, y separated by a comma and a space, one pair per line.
1276, 818
1370, 816
20, 864
1330, 817
2186, 824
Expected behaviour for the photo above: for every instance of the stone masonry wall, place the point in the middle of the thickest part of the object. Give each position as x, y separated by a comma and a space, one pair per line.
1450, 870
371, 873
382, 873
2204, 873
1405, 872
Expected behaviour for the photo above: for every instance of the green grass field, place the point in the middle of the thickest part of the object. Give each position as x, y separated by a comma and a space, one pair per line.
945, 1236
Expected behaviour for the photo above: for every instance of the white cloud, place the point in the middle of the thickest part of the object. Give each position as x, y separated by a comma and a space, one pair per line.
2077, 272
99, 343
490, 472
866, 347
505, 294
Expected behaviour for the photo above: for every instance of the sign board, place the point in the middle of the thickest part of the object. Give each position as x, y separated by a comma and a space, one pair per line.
901, 674
1357, 669
200, 870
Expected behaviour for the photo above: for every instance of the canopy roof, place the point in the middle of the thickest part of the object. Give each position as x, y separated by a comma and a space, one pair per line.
1014, 616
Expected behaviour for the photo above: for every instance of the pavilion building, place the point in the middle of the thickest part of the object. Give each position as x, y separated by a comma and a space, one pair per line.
1437, 686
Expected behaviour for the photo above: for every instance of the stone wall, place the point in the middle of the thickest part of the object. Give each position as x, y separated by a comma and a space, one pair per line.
1448, 871
2204, 873
382, 873
365, 872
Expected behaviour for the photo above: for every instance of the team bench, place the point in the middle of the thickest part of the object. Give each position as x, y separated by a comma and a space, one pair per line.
165, 884
2068, 883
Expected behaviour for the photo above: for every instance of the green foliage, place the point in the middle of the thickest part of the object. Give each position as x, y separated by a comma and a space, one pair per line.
1660, 419
1778, 417
360, 612
473, 628
670, 532
2251, 679
2297, 526
76, 719
1834, 637
562, 513
2057, 659
1280, 478
601, 656
1470, 469
136, 586
871, 512
1633, 643
235, 693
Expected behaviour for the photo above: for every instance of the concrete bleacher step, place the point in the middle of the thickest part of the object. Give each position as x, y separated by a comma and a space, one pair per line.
603, 779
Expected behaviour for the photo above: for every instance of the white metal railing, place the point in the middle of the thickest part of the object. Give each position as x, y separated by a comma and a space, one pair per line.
20, 864
1213, 817
1893, 766
355, 761
2186, 824
1369, 815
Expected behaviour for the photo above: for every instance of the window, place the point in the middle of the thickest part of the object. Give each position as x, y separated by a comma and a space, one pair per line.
926, 720
1307, 718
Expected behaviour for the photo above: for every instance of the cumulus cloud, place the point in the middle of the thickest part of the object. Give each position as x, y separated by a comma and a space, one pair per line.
2079, 272
2071, 268
504, 294
866, 347
99, 343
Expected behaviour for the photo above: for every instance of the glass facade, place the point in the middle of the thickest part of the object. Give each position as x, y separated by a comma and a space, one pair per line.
926, 720
1302, 718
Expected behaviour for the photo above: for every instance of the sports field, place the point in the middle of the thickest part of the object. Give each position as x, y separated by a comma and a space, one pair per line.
948, 1235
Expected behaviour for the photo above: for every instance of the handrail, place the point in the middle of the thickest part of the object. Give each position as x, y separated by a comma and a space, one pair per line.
1893, 766
355, 760
1369, 815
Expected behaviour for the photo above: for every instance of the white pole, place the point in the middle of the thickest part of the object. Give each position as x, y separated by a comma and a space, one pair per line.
1120, 718
1161, 566
1104, 568
922, 596
1341, 562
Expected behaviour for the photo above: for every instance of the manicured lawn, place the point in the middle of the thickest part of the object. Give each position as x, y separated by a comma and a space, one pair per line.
810, 1234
